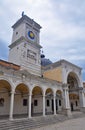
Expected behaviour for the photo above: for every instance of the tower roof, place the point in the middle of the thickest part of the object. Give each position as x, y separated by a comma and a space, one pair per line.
45, 61
28, 20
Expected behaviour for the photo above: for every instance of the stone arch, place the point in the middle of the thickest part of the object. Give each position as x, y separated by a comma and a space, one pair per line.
21, 99
17, 83
74, 82
49, 91
59, 91
58, 100
5, 92
8, 81
74, 96
49, 101
5, 84
37, 90
22, 88
76, 76
37, 100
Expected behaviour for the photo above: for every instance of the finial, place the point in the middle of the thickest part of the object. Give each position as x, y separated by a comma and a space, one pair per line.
22, 13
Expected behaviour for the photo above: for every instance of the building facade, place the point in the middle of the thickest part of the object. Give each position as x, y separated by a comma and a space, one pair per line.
31, 88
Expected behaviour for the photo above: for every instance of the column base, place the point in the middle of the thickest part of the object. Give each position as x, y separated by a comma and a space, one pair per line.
67, 112
82, 109
44, 115
11, 119
29, 117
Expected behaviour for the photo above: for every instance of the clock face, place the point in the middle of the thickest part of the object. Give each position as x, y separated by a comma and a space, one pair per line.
31, 35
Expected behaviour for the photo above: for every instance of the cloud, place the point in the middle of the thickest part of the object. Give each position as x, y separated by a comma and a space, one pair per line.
63, 26
3, 50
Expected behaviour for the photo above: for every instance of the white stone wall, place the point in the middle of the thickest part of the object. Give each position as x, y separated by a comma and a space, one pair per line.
39, 107
18, 32
59, 107
4, 110
48, 108
15, 55
18, 105
14, 79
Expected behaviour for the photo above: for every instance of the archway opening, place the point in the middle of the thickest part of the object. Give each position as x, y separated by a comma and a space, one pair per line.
73, 85
49, 105
21, 100
37, 101
58, 101
5, 89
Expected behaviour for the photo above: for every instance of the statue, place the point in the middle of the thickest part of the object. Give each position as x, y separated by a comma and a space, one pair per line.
22, 13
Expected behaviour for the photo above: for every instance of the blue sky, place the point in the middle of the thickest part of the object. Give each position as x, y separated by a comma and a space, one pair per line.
63, 27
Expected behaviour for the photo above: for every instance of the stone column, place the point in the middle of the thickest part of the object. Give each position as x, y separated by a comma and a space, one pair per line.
44, 104
30, 100
11, 105
82, 100
66, 101
54, 104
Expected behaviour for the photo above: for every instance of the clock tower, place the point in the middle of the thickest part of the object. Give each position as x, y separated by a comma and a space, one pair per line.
25, 46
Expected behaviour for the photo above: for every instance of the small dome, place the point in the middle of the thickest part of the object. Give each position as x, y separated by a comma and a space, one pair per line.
45, 61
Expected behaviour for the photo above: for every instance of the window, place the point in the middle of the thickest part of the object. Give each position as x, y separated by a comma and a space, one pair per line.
35, 102
76, 103
1, 102
48, 103
59, 102
24, 102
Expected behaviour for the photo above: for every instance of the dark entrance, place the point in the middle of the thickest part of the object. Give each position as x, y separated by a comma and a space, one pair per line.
72, 107
52, 105
56, 105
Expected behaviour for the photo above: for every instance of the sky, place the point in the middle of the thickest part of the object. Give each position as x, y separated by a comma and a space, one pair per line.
63, 27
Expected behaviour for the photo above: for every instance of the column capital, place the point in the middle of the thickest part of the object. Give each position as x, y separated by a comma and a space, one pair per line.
43, 95
65, 89
12, 92
65, 85
54, 95
30, 93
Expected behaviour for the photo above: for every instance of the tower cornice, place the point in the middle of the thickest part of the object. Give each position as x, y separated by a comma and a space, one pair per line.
25, 19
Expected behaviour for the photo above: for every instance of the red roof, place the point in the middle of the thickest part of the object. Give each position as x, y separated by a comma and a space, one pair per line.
9, 65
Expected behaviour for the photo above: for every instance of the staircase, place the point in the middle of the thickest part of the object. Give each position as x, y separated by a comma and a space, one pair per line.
35, 122
28, 124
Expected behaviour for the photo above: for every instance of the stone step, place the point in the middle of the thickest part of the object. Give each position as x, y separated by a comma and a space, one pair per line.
35, 122
24, 124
